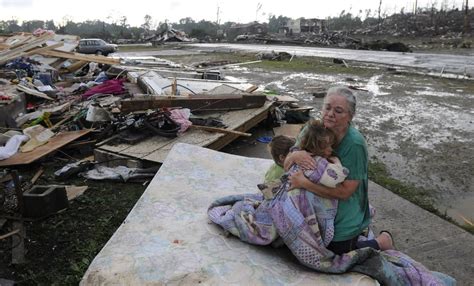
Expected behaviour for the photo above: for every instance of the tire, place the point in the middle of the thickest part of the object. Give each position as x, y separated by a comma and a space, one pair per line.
99, 53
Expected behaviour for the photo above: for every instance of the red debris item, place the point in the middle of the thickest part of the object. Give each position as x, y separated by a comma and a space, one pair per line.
112, 86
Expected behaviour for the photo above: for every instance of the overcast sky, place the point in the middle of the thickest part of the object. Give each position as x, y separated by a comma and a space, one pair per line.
242, 11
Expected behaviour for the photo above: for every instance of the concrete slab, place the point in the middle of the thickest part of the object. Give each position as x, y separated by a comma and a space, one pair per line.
438, 244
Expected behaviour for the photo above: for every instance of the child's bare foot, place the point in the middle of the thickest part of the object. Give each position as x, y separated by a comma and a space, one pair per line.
385, 240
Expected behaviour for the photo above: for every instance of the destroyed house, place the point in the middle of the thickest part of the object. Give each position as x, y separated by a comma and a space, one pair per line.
253, 28
302, 25
169, 35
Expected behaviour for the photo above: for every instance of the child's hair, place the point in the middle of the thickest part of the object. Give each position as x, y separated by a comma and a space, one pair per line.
280, 146
316, 137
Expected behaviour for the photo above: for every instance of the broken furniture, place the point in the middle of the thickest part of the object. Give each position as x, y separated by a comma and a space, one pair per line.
167, 237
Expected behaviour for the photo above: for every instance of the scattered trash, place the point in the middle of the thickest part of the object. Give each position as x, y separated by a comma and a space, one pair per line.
264, 139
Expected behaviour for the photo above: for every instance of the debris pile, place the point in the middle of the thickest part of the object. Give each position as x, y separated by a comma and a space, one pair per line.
54, 100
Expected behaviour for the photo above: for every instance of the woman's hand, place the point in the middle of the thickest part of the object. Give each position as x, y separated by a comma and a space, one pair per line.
304, 160
297, 180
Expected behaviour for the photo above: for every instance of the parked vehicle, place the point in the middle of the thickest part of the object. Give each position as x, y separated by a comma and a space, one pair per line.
95, 46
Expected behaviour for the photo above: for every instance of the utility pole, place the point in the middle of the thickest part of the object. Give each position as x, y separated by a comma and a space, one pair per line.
218, 11
380, 20
415, 12
467, 24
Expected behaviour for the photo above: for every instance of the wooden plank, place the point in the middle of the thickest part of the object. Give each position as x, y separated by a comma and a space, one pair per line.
195, 102
256, 118
8, 55
221, 130
18, 243
81, 57
75, 66
33, 92
39, 50
54, 144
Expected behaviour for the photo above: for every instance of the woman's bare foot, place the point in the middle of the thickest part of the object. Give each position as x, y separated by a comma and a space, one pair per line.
385, 241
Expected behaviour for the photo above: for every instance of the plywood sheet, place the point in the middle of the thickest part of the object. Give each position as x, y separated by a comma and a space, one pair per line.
54, 144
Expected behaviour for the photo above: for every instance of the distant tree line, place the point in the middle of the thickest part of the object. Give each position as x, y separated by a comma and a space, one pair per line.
422, 20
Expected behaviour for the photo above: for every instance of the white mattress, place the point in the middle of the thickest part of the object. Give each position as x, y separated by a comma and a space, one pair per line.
167, 238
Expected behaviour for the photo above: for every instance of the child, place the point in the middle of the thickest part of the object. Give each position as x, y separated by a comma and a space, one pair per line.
279, 147
318, 141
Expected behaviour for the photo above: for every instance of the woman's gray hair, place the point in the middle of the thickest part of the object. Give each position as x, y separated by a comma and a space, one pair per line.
348, 95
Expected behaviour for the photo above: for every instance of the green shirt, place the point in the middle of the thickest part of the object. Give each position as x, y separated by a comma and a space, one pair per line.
274, 173
353, 214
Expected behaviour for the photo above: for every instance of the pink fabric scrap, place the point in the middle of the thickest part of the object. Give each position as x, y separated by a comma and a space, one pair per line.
181, 116
112, 86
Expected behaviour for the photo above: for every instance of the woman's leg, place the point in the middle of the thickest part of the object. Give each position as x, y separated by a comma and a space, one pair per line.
341, 247
368, 243
382, 242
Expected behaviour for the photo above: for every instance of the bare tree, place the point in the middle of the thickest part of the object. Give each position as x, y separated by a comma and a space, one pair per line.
147, 24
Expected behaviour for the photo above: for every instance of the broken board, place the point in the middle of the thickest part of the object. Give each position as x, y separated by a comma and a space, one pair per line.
194, 102
56, 142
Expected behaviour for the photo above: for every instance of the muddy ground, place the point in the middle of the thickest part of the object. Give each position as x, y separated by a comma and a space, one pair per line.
420, 127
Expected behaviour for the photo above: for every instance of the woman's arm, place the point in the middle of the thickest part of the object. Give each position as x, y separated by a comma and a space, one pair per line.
341, 192
302, 158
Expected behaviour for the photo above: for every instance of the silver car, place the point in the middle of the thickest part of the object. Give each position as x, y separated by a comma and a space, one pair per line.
95, 46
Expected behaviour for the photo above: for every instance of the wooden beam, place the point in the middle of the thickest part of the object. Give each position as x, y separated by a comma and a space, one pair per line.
195, 102
219, 144
81, 57
18, 243
39, 50
221, 130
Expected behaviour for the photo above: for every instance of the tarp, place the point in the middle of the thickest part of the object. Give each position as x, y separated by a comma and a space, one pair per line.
168, 239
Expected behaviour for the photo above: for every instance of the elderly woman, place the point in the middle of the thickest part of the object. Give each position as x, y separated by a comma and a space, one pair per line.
352, 217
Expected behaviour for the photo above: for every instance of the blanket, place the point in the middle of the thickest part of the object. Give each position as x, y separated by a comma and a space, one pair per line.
304, 223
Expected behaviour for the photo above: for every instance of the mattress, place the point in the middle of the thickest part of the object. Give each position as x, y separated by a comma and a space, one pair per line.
167, 238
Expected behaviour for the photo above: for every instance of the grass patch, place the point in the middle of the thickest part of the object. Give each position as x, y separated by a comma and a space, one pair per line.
313, 64
61, 247
379, 174
297, 64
